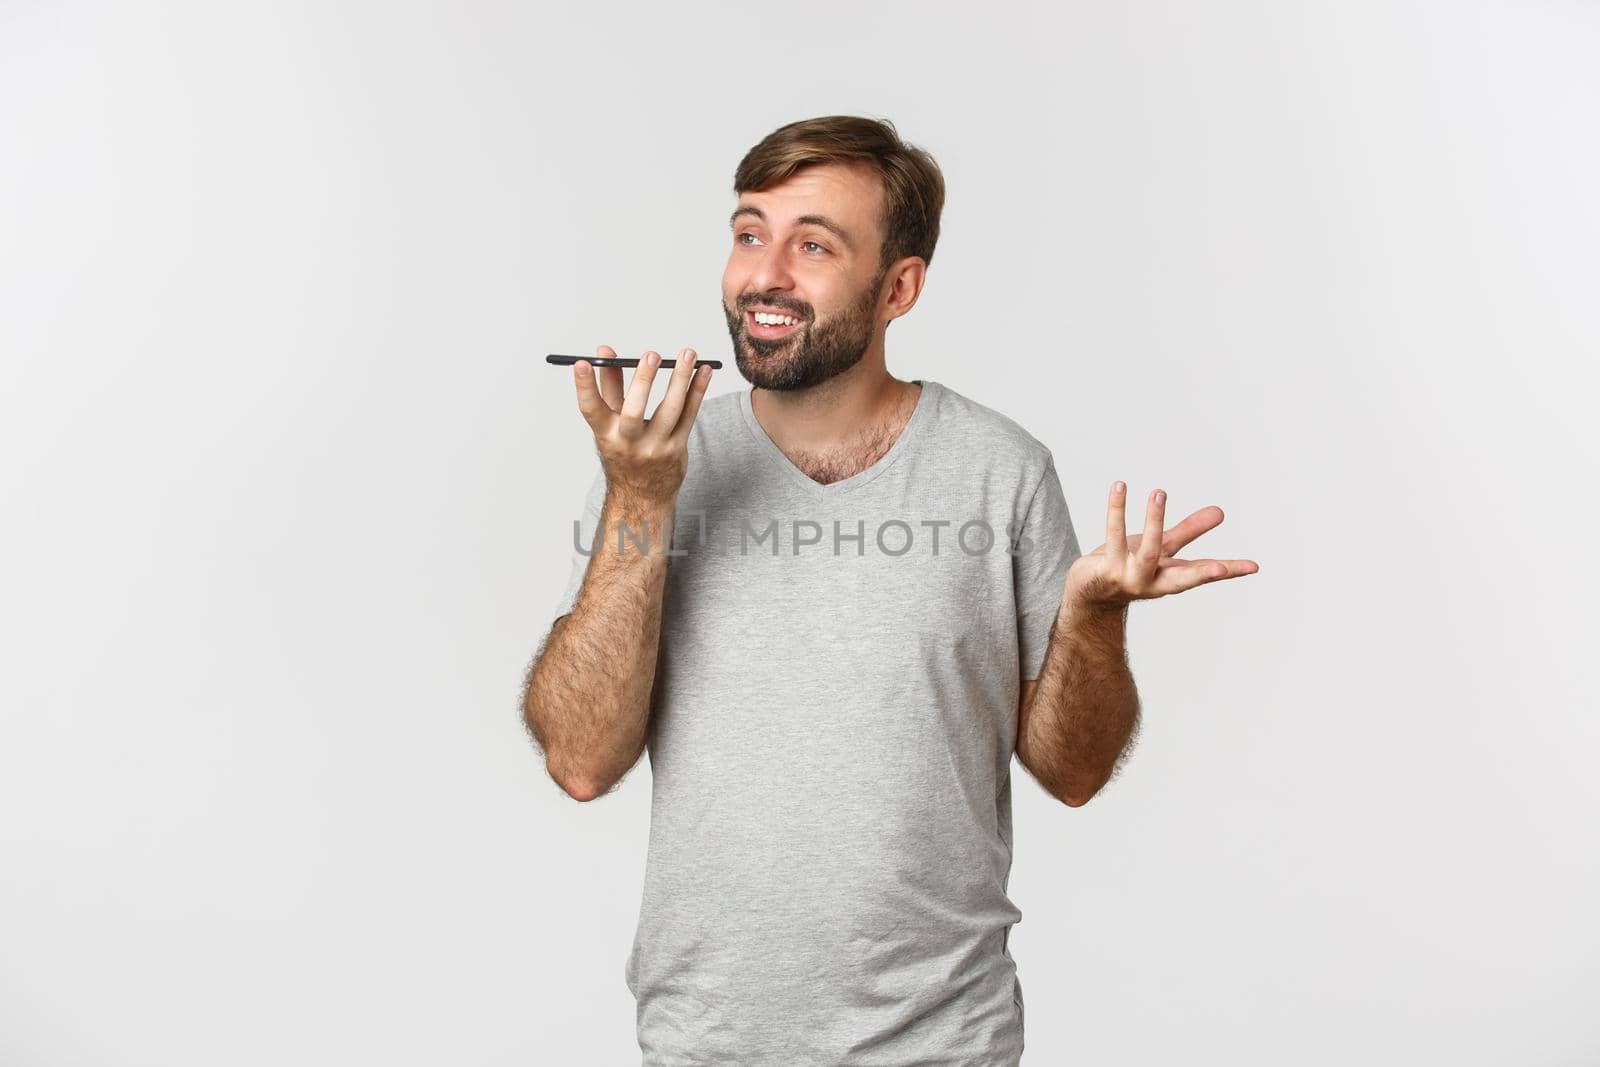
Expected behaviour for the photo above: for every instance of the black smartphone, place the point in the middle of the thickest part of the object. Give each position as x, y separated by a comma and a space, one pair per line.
624, 361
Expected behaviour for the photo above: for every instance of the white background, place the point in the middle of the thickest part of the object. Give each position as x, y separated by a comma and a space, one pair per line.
288, 491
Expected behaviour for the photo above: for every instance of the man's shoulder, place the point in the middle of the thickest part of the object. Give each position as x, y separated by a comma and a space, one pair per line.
720, 412
989, 434
723, 405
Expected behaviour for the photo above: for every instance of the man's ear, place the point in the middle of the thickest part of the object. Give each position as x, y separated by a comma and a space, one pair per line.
903, 284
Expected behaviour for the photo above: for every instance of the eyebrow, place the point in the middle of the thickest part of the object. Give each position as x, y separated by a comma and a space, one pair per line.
804, 220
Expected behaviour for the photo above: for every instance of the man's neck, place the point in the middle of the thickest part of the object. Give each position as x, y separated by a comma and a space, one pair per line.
837, 412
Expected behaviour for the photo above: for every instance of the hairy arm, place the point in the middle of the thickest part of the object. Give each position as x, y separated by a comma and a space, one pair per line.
1076, 720
587, 695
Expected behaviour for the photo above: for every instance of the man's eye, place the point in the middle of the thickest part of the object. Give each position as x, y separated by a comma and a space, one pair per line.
813, 244
740, 238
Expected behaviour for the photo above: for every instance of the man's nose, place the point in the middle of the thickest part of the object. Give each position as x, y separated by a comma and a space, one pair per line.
772, 270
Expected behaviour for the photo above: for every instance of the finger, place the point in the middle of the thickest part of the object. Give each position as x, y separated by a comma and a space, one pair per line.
644, 376
594, 409
611, 387
610, 379
691, 404
1116, 521
1190, 528
1178, 575
665, 417
1183, 533
1155, 514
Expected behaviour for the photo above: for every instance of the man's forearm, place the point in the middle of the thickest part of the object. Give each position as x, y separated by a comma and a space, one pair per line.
587, 700
1085, 709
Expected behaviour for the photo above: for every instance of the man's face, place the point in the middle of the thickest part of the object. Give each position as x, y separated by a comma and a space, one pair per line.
806, 248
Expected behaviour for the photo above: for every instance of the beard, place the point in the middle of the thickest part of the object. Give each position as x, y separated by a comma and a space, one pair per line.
811, 354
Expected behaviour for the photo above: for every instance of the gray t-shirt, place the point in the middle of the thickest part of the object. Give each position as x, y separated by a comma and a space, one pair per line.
834, 721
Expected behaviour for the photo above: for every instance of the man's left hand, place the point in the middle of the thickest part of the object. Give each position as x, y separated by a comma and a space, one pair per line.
1144, 567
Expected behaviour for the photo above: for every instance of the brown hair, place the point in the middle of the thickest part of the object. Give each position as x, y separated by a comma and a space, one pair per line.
912, 183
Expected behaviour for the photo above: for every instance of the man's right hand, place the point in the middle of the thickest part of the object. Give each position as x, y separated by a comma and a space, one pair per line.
645, 460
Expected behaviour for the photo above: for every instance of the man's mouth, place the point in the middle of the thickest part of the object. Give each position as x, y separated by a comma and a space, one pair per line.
771, 325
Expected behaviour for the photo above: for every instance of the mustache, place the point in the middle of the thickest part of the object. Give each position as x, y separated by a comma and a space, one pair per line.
799, 311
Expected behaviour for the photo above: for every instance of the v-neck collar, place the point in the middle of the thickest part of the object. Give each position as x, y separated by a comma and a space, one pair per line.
902, 444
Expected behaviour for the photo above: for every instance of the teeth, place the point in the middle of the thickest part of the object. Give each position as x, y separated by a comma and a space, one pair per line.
768, 319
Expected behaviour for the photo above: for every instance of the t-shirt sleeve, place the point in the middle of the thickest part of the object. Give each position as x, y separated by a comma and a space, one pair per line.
1044, 553
587, 524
